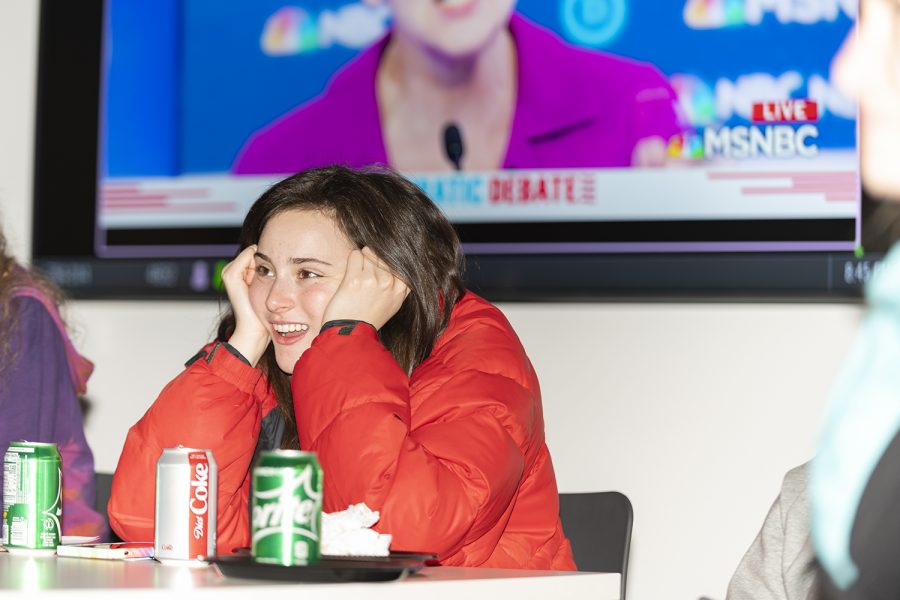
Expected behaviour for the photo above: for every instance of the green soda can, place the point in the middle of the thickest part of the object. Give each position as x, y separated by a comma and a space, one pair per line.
286, 508
32, 498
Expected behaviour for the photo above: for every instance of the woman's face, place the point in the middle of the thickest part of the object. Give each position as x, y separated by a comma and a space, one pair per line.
300, 262
868, 69
454, 28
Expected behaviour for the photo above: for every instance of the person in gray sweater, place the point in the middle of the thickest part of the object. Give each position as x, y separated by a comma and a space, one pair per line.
780, 563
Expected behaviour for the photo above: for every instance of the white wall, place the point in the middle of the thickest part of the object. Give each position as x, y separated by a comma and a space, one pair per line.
693, 410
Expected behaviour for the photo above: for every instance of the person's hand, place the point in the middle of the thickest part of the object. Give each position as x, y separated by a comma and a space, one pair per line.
369, 292
251, 336
650, 152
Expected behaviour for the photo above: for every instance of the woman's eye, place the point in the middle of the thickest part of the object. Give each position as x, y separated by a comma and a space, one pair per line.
304, 274
262, 270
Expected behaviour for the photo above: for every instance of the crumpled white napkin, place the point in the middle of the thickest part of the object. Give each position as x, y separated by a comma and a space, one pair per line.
349, 533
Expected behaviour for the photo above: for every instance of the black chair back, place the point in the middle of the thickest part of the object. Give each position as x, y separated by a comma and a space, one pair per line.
103, 486
598, 525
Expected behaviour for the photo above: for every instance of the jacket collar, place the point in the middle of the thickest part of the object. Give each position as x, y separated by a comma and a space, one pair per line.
549, 101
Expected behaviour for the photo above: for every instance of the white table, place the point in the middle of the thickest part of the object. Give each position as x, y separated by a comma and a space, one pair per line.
76, 578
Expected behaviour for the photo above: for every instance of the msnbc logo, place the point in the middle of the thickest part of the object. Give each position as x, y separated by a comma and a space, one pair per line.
718, 14
291, 30
778, 129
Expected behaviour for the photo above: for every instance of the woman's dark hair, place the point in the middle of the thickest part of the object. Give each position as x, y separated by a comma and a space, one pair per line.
379, 209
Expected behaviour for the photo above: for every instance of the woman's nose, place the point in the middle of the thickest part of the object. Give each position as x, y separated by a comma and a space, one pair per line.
279, 298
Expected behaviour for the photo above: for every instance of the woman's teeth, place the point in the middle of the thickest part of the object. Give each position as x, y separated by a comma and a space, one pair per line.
285, 328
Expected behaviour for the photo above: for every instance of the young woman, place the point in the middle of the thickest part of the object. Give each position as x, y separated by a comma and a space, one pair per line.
41, 378
351, 336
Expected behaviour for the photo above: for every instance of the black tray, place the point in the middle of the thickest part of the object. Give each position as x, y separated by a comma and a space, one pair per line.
327, 570
429, 558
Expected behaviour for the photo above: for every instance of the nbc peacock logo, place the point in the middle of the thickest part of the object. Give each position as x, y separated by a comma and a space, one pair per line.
697, 103
288, 31
696, 99
719, 14
292, 30
714, 14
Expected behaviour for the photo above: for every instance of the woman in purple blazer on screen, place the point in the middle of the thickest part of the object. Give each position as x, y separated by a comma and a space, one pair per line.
519, 95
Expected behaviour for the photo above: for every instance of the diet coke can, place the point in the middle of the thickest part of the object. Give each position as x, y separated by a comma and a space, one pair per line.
186, 491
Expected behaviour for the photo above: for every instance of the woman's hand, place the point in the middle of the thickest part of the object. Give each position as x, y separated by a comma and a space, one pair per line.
251, 336
369, 292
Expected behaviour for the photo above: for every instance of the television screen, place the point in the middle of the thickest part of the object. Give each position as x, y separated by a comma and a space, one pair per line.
581, 147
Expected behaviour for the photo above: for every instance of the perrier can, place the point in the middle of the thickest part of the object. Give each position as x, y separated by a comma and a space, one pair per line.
32, 497
286, 508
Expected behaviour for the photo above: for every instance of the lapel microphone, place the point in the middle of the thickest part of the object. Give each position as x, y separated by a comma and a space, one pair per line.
453, 145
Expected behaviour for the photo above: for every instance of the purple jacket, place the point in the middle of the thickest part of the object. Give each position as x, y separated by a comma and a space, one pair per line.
39, 403
574, 108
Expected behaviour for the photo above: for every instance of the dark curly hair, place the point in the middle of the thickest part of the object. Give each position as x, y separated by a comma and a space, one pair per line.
14, 276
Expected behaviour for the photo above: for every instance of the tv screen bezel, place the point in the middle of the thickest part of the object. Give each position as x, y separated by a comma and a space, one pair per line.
64, 223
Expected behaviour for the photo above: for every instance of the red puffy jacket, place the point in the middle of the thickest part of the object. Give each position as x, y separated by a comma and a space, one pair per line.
452, 456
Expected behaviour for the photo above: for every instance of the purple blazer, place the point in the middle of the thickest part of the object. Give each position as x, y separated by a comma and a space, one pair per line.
574, 108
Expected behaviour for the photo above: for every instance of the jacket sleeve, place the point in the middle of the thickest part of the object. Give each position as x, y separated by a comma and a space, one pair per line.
780, 564
441, 480
216, 403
